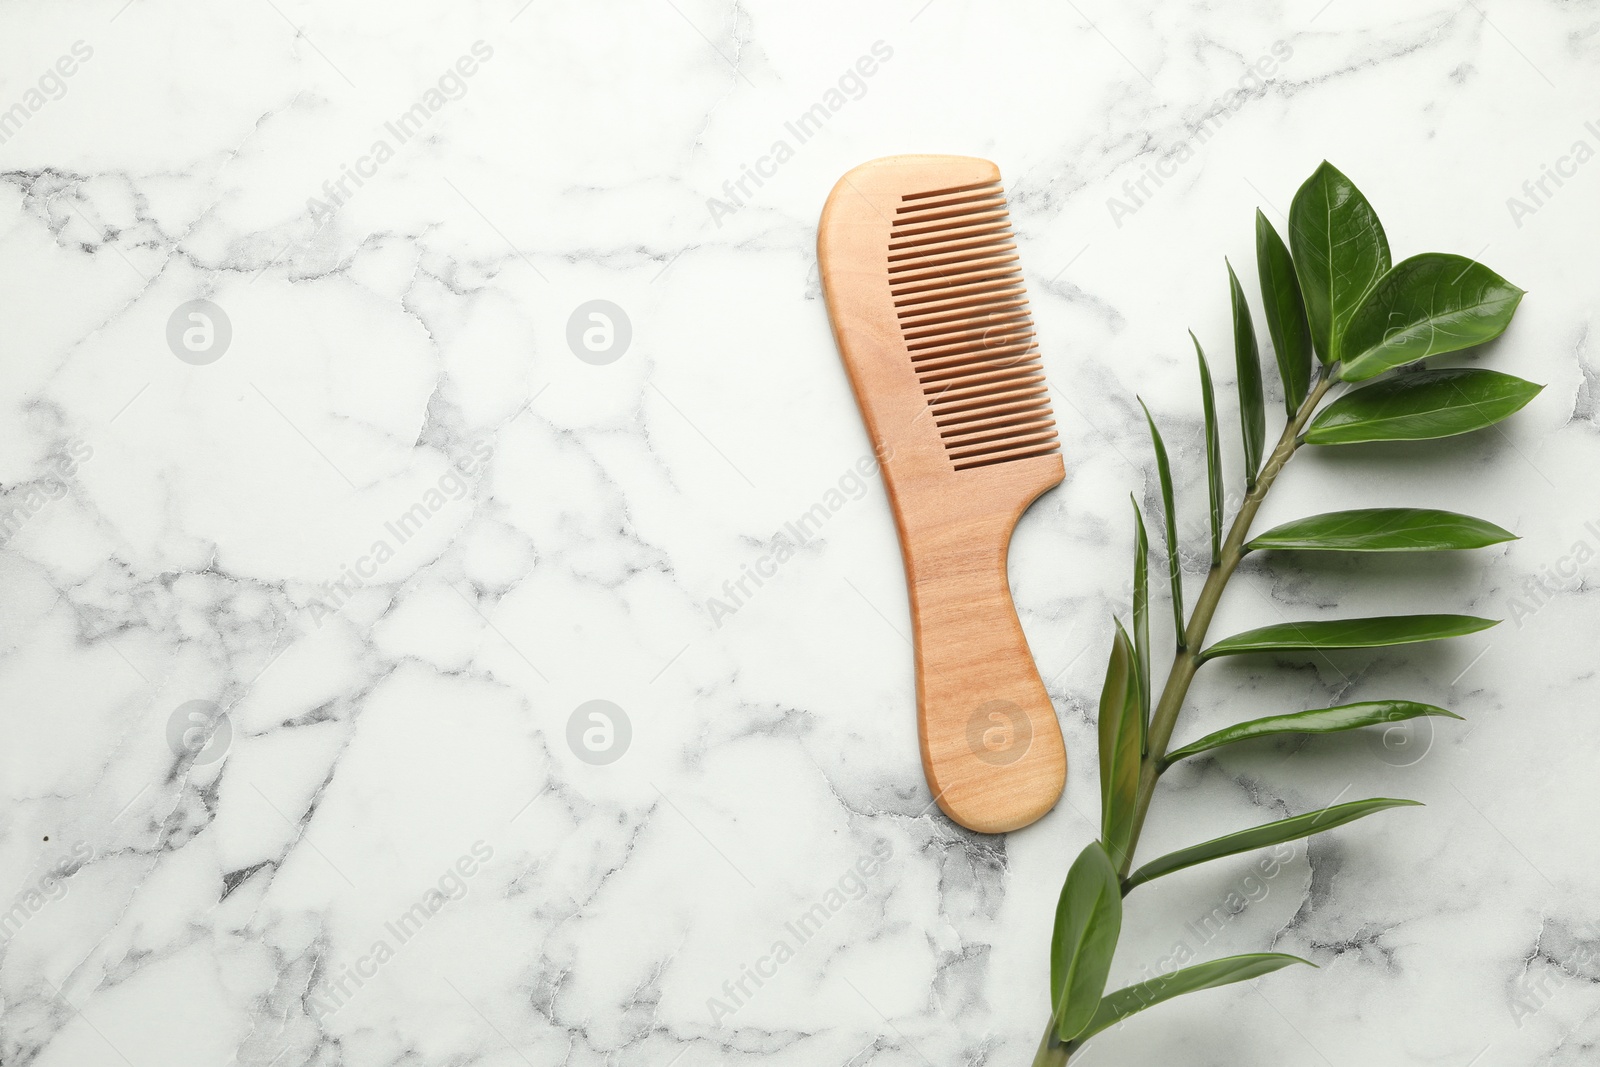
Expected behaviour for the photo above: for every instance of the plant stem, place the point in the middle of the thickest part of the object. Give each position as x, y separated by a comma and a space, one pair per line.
1187, 660
1053, 1053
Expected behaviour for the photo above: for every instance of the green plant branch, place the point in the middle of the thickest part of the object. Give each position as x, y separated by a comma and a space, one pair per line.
1186, 660
1052, 1052
1332, 292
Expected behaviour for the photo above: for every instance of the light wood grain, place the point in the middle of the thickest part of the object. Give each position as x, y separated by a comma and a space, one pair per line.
930, 318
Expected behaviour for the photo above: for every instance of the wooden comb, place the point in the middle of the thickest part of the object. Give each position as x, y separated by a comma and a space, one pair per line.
921, 275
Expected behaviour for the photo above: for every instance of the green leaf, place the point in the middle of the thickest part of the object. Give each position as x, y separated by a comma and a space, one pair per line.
1252, 408
1272, 833
1088, 923
1141, 619
1348, 633
1340, 252
1121, 746
1174, 571
1324, 721
1208, 397
1286, 314
1421, 406
1115, 1007
1428, 305
1382, 530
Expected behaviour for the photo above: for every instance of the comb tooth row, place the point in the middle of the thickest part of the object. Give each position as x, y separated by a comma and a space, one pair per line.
957, 291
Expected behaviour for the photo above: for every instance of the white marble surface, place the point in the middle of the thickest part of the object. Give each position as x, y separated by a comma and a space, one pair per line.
397, 700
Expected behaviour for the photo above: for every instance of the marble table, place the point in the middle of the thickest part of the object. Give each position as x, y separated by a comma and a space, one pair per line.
397, 397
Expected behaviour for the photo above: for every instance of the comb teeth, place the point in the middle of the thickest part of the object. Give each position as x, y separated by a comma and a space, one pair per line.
958, 294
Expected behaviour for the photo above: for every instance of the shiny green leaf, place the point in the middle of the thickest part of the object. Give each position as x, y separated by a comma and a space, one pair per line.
1174, 571
1121, 746
1348, 633
1382, 530
1208, 398
1141, 619
1323, 721
1115, 1007
1421, 406
1286, 314
1340, 252
1426, 306
1247, 357
1272, 833
1088, 923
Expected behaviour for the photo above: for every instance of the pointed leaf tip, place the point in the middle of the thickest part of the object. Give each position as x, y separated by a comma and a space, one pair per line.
1308, 723
1174, 568
1382, 530
1088, 924
1247, 359
1422, 406
1121, 727
1322, 634
1272, 833
1141, 618
1213, 974
1208, 400
1286, 314
1426, 306
1340, 251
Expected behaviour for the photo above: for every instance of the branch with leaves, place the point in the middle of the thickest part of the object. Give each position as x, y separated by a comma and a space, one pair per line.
1339, 313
